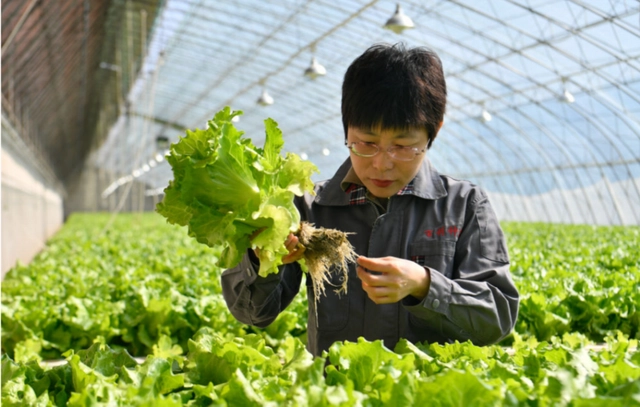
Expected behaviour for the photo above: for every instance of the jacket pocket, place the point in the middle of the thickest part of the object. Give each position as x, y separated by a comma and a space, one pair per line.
332, 308
435, 254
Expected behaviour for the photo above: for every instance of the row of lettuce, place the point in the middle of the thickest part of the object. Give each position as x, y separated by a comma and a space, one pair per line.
244, 371
107, 289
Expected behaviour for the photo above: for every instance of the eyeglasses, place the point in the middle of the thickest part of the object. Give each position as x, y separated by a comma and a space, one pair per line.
368, 150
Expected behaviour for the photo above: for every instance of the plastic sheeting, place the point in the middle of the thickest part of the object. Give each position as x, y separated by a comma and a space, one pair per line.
559, 79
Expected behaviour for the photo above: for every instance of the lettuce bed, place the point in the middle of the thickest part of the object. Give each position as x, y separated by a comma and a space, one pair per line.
145, 288
224, 370
576, 278
126, 286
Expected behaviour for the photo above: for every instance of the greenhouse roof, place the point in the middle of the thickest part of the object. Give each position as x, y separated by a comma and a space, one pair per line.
543, 95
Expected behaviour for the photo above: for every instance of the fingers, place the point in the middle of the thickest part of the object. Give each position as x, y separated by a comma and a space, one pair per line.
368, 278
381, 264
295, 249
293, 246
381, 294
293, 256
387, 284
376, 286
291, 242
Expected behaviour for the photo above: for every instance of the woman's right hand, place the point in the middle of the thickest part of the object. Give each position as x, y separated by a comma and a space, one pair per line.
295, 249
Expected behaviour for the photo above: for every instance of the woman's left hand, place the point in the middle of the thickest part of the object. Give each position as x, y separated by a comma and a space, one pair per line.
397, 279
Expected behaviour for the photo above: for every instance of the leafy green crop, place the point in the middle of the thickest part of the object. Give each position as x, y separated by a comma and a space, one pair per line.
130, 284
225, 189
576, 278
226, 370
143, 278
146, 288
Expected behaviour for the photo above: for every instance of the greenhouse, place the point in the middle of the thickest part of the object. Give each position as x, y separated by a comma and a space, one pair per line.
153, 151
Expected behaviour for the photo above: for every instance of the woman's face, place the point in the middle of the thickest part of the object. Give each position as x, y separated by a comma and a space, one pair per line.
383, 175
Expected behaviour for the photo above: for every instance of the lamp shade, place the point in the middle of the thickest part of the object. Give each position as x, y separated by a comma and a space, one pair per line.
399, 21
265, 99
567, 97
315, 69
485, 116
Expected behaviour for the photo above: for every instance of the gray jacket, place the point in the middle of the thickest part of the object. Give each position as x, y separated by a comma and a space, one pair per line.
439, 222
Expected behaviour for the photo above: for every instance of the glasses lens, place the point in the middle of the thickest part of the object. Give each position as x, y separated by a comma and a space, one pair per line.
364, 149
403, 153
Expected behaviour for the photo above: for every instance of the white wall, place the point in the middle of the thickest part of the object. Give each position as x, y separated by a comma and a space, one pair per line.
32, 209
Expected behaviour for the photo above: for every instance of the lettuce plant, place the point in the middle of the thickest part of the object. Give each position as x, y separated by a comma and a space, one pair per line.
234, 195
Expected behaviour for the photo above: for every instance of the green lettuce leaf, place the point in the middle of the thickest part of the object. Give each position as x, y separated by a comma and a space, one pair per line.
225, 189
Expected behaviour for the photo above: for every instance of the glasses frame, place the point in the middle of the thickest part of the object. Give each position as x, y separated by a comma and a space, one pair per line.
389, 150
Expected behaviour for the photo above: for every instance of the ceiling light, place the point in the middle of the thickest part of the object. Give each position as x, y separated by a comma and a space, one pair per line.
304, 156
567, 97
265, 99
325, 151
399, 21
485, 116
235, 119
315, 69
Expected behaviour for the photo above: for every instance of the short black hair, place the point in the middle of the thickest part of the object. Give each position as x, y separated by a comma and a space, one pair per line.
390, 86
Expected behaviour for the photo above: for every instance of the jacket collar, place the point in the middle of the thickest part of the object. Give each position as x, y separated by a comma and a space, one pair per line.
427, 184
